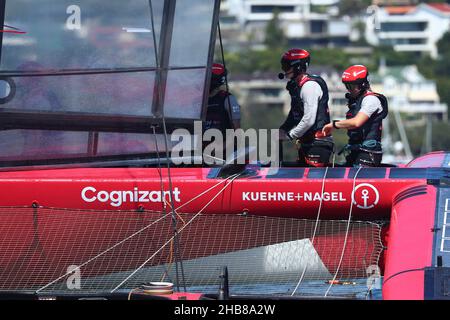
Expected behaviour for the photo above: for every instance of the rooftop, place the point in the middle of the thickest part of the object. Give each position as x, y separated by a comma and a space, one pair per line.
394, 10
443, 7
402, 10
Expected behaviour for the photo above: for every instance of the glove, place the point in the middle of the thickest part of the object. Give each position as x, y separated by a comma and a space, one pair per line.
295, 140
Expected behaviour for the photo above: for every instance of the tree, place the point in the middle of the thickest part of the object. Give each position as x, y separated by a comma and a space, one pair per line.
393, 58
442, 68
352, 7
275, 37
443, 62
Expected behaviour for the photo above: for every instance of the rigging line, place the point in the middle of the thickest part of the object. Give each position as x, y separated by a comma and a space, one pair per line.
172, 204
174, 217
226, 75
346, 234
380, 225
402, 272
314, 233
214, 158
130, 237
13, 30
159, 169
334, 155
181, 229
206, 191
101, 253
164, 206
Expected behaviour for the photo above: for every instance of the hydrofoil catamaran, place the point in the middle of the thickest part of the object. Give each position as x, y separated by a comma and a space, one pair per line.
92, 205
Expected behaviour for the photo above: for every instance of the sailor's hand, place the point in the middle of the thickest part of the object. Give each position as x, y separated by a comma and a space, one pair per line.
297, 142
327, 129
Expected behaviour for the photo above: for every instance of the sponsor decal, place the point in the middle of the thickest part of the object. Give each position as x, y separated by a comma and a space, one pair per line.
365, 196
293, 196
117, 197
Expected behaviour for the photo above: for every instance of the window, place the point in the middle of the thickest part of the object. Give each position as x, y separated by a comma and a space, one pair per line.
271, 9
403, 26
101, 66
318, 26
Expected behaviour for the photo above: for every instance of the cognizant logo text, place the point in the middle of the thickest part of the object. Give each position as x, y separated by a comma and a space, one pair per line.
117, 197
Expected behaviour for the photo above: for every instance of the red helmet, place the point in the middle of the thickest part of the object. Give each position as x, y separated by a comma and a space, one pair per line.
356, 75
219, 74
295, 58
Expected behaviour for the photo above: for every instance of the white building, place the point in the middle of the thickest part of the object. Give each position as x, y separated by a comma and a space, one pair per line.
301, 25
408, 28
409, 92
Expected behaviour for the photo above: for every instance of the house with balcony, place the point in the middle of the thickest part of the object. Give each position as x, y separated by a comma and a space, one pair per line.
409, 28
301, 25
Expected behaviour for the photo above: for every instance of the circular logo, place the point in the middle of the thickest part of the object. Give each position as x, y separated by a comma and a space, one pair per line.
365, 196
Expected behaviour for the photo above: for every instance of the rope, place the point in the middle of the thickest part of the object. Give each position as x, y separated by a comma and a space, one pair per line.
315, 231
167, 242
226, 76
131, 236
174, 218
165, 204
159, 168
346, 235
102, 253
378, 258
214, 158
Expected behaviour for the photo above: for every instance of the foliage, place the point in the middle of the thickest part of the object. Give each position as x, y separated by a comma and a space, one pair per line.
352, 7
249, 61
275, 37
439, 69
393, 58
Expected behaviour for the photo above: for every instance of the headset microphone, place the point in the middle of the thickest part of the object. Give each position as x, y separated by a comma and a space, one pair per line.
281, 76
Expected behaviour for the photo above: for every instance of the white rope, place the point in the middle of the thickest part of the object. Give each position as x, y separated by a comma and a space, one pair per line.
215, 158
131, 236
346, 234
369, 289
206, 191
314, 233
102, 253
181, 229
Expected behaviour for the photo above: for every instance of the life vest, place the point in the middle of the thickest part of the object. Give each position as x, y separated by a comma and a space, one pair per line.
297, 105
217, 115
371, 130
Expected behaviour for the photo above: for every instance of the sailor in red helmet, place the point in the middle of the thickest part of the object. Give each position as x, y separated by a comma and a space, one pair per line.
223, 110
364, 118
309, 111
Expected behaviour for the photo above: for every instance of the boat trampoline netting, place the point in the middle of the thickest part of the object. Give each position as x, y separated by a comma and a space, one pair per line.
53, 250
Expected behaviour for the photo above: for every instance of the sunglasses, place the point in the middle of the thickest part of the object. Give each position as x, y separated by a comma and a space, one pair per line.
352, 86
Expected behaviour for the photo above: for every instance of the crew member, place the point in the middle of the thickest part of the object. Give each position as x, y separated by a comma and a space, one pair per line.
309, 111
364, 119
223, 110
